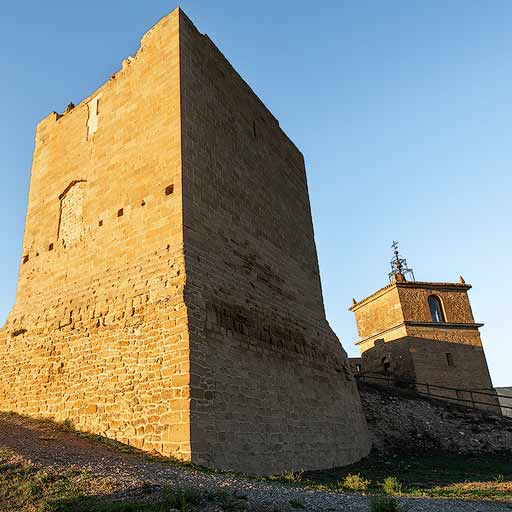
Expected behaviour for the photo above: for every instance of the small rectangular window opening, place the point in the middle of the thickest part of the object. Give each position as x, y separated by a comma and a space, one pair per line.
169, 190
358, 368
50, 247
449, 359
25, 258
100, 223
120, 212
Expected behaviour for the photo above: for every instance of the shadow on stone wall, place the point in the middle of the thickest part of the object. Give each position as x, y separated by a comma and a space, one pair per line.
431, 363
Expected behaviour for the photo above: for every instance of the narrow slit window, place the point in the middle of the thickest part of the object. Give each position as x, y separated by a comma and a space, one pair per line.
449, 359
169, 190
120, 212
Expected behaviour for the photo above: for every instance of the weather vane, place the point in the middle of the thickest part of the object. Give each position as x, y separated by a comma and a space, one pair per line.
399, 265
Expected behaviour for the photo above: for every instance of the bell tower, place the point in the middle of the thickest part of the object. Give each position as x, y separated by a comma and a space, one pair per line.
421, 331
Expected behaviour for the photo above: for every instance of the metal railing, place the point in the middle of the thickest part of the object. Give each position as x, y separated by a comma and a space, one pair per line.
413, 385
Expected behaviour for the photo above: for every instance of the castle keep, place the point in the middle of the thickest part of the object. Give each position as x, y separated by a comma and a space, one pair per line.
169, 295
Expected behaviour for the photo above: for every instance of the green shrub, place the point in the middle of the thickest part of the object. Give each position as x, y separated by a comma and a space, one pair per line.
293, 476
384, 504
355, 483
392, 485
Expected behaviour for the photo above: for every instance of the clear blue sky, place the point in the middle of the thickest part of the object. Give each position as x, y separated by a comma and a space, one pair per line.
403, 111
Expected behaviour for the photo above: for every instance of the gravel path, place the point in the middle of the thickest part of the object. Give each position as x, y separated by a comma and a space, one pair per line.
45, 446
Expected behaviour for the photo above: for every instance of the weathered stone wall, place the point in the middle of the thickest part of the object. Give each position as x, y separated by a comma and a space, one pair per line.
401, 422
271, 386
396, 354
380, 316
467, 369
461, 335
71, 213
178, 305
434, 362
98, 334
401, 309
453, 297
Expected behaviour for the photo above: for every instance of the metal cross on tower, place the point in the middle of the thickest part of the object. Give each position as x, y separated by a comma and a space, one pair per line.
399, 265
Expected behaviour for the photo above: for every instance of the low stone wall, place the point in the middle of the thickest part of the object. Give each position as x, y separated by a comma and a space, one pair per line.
403, 422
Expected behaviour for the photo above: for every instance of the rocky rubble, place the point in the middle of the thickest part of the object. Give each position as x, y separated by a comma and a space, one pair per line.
402, 422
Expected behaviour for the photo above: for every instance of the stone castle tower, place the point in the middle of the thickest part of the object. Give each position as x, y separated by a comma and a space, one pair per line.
169, 294
423, 332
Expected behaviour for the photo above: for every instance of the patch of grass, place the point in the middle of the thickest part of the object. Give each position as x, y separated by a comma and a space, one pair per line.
26, 487
182, 499
479, 477
96, 505
424, 470
296, 503
499, 491
385, 504
392, 485
23, 486
6, 453
355, 483
230, 501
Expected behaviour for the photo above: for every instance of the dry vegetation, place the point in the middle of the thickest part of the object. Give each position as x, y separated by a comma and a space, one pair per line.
39, 484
